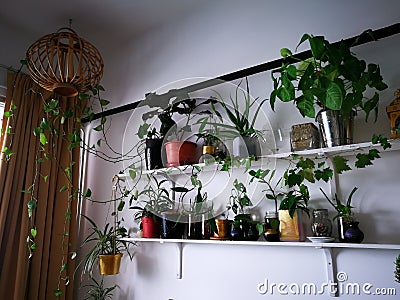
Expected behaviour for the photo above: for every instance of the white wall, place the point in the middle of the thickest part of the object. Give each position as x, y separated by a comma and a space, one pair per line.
225, 37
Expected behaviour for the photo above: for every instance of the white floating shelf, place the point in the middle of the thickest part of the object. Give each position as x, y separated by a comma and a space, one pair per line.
270, 244
345, 150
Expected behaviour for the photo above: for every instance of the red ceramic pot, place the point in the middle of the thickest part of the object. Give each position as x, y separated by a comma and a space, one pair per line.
180, 153
151, 227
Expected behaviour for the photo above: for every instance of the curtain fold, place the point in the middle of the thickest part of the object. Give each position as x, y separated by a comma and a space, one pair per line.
37, 277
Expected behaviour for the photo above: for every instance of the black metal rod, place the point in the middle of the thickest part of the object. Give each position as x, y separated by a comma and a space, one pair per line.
366, 37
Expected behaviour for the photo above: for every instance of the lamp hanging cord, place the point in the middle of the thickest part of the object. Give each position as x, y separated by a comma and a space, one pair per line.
114, 198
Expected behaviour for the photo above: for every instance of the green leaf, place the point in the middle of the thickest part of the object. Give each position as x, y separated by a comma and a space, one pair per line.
381, 140
68, 172
104, 102
306, 106
291, 72
143, 129
132, 174
32, 204
121, 205
98, 128
57, 293
285, 52
326, 174
334, 96
7, 114
63, 267
43, 139
317, 46
44, 125
340, 164
284, 94
87, 193
180, 189
303, 39
363, 160
33, 232
7, 152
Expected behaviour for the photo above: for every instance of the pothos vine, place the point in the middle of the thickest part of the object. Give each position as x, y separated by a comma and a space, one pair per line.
57, 122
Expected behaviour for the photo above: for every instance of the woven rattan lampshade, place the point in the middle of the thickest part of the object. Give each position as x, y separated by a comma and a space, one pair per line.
64, 63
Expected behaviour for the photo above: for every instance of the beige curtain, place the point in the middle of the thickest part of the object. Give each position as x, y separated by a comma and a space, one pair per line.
37, 277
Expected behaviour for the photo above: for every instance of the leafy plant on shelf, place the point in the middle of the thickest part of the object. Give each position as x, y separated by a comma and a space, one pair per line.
97, 291
343, 209
182, 105
363, 160
295, 177
266, 177
239, 199
333, 78
198, 204
103, 242
239, 115
152, 199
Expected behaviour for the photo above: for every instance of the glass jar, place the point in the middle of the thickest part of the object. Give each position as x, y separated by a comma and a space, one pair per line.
321, 224
271, 226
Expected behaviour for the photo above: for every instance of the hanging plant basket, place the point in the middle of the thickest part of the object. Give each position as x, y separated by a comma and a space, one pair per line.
109, 263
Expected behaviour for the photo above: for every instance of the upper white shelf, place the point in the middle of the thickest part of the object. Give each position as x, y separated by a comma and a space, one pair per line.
345, 150
272, 244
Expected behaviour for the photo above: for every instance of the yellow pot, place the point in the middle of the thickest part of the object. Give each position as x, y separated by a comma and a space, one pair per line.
109, 264
291, 229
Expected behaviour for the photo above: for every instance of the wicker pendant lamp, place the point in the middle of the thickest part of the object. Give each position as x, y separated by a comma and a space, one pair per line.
64, 63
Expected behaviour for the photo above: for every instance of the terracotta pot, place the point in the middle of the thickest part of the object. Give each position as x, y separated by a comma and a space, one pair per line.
109, 263
180, 153
151, 227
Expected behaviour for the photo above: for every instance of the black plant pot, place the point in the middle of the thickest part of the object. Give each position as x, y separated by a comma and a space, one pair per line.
153, 154
172, 226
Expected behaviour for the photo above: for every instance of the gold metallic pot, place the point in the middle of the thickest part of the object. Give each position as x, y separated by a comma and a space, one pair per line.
291, 229
109, 264
224, 229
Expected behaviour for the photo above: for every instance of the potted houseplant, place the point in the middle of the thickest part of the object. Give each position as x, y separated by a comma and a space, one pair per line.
213, 147
348, 230
154, 201
246, 137
154, 138
180, 151
271, 230
106, 248
244, 228
198, 212
97, 291
333, 80
291, 214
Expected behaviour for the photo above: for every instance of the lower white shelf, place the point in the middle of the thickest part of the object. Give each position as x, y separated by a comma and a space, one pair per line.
327, 249
270, 244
